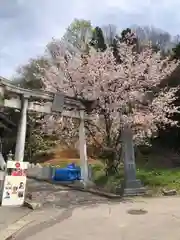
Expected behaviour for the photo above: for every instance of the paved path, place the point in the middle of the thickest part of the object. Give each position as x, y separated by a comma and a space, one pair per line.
9, 215
77, 215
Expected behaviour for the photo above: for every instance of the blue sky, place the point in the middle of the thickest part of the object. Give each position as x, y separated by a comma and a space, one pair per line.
28, 25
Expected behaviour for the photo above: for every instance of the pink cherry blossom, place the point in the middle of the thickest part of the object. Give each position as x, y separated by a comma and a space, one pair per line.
127, 93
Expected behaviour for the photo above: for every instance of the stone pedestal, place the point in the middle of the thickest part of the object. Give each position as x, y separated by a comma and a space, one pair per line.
130, 186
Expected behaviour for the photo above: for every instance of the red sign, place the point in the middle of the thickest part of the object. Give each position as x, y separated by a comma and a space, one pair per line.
17, 165
18, 172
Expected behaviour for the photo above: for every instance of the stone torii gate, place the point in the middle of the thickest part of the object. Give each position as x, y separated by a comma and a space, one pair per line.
26, 100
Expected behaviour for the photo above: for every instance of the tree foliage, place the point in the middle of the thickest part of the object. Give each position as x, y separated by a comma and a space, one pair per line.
109, 33
127, 93
78, 34
30, 75
97, 40
176, 51
159, 39
126, 83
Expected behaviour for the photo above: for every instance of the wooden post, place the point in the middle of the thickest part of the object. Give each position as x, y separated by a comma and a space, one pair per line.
21, 135
83, 150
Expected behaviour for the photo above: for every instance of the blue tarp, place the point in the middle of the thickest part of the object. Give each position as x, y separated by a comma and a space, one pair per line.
70, 173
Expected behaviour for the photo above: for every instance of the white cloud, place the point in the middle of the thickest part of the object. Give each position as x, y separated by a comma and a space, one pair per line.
128, 6
26, 26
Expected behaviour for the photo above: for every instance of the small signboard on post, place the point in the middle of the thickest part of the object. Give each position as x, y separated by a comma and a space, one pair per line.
14, 184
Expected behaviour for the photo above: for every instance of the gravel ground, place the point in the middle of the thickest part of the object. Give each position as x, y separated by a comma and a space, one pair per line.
60, 196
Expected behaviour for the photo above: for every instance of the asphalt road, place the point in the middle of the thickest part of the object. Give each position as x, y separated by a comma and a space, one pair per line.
68, 215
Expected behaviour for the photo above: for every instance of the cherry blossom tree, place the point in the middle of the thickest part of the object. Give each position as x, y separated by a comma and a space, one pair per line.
127, 94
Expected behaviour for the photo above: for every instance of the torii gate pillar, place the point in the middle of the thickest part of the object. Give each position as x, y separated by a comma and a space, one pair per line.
21, 135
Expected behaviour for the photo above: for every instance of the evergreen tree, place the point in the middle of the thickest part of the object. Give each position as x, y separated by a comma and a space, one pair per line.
128, 37
115, 50
176, 51
98, 41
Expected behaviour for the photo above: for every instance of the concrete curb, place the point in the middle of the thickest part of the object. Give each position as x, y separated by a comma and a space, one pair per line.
32, 205
12, 229
80, 188
93, 191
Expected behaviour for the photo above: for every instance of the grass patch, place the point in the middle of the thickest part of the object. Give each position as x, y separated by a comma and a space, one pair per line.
159, 177
108, 183
153, 179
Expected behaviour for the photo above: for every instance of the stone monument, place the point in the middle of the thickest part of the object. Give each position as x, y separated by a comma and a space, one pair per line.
131, 186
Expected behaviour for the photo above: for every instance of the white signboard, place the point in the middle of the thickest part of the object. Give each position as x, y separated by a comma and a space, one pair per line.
17, 165
14, 184
14, 191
